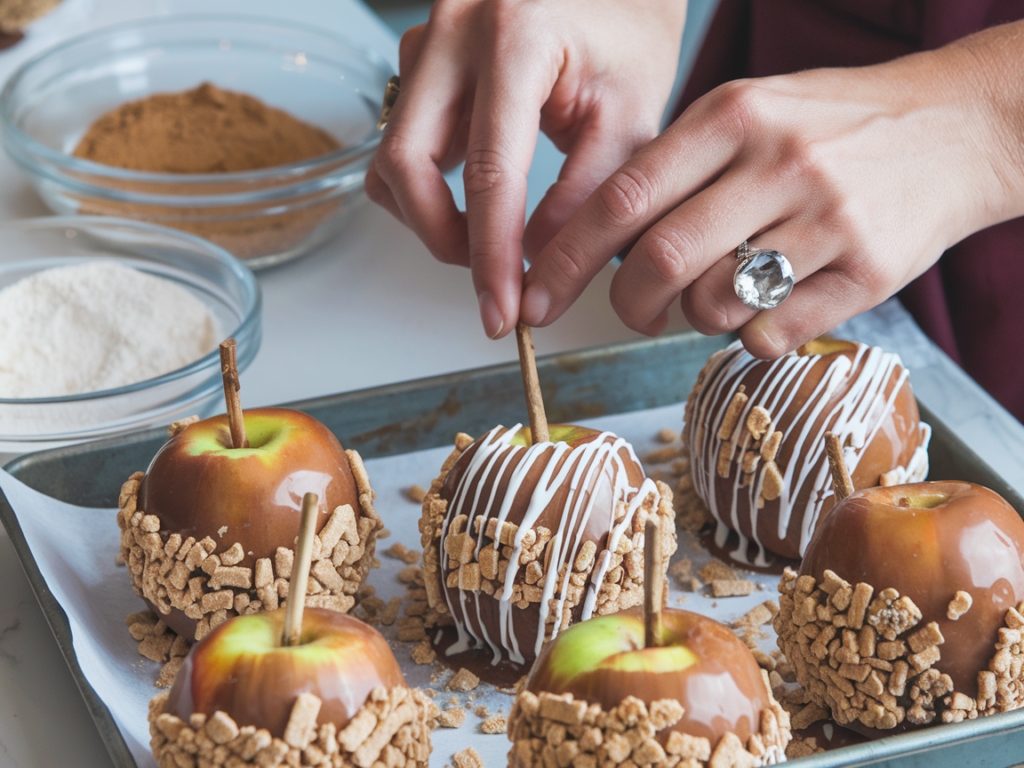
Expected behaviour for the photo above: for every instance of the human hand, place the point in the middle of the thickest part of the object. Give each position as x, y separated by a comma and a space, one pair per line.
478, 83
862, 177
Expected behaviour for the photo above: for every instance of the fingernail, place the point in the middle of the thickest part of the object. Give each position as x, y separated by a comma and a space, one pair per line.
490, 315
535, 303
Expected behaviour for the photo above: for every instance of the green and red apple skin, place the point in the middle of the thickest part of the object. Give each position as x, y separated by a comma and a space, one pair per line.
700, 663
557, 433
242, 669
928, 540
199, 485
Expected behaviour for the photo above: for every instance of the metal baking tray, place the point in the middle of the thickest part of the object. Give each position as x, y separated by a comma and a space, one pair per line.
426, 413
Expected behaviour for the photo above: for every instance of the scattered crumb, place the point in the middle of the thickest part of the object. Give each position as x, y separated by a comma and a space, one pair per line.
452, 718
759, 615
731, 587
453, 700
662, 455
416, 493
423, 653
463, 681
716, 570
468, 758
482, 712
396, 550
390, 612
681, 569
692, 584
666, 435
383, 533
763, 659
494, 725
411, 556
430, 692
118, 559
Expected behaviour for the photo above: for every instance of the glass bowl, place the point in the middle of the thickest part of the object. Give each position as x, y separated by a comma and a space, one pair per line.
210, 273
266, 216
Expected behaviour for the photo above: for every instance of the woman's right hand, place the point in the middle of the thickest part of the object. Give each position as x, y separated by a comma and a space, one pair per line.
479, 81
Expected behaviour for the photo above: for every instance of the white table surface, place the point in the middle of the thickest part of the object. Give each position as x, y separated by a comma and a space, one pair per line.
370, 308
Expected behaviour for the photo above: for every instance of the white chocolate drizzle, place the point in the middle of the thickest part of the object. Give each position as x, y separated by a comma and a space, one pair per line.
855, 417
579, 471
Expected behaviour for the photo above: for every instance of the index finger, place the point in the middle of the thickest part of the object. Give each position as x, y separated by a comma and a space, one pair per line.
502, 138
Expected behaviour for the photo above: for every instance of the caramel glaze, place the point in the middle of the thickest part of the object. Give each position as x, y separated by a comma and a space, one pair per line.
526, 621
259, 500
258, 686
785, 387
722, 692
973, 542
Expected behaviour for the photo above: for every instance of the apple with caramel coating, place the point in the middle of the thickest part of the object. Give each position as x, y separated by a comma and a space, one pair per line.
199, 485
522, 539
926, 578
755, 431
698, 692
337, 697
207, 532
242, 669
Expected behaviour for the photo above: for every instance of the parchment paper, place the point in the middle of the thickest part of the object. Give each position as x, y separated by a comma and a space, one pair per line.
74, 548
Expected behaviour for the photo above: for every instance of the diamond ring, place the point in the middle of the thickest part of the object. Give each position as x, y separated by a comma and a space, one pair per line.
763, 279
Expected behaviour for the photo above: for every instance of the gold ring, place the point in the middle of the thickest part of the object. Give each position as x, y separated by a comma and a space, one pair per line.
390, 97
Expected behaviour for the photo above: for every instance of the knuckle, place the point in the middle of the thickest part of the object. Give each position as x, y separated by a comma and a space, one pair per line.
394, 157
705, 311
670, 256
625, 198
568, 261
485, 171
745, 106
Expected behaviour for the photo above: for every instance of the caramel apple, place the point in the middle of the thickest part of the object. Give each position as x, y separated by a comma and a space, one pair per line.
247, 698
207, 532
697, 694
754, 430
521, 539
907, 607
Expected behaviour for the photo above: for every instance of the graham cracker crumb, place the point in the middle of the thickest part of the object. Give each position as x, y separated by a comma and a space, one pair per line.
731, 587
494, 725
463, 681
452, 718
468, 758
666, 435
716, 570
416, 493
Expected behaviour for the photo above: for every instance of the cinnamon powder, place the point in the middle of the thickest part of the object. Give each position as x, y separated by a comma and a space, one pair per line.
205, 130
210, 130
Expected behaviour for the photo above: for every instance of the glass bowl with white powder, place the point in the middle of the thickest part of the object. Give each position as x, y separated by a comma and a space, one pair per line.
109, 326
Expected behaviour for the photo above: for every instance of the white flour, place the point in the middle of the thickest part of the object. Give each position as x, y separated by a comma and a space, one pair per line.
96, 326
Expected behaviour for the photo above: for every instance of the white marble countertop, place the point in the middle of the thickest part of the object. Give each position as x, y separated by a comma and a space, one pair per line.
370, 308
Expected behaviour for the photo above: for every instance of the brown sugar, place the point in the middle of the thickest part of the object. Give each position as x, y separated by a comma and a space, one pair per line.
209, 130
204, 130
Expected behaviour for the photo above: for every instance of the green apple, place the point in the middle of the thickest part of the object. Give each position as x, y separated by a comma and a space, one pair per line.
700, 663
199, 485
927, 541
242, 669
557, 433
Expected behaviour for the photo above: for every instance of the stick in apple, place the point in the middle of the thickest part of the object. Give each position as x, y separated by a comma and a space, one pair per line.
229, 372
531, 383
841, 482
300, 570
654, 584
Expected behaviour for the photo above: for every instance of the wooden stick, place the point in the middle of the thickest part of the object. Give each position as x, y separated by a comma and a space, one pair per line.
229, 372
841, 482
531, 383
300, 570
654, 582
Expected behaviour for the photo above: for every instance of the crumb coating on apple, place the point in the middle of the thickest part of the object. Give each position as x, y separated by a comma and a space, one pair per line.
907, 607
755, 432
392, 729
204, 583
551, 729
520, 540
866, 655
